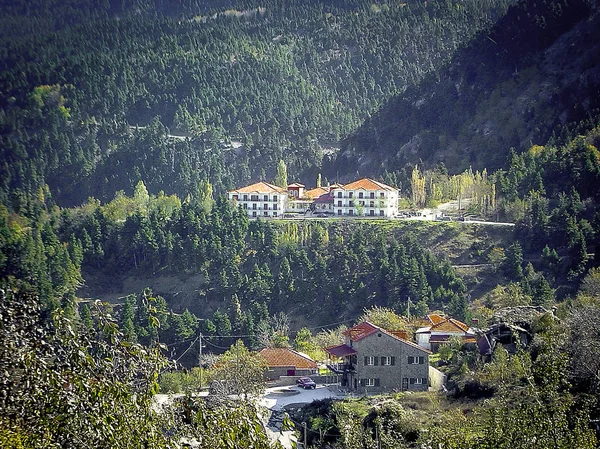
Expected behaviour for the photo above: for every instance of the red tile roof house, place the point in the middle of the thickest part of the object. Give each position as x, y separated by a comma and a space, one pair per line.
287, 362
376, 360
439, 329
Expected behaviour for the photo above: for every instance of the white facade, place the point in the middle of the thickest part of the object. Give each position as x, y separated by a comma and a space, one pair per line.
260, 200
365, 197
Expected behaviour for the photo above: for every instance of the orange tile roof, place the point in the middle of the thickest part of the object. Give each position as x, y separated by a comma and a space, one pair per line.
296, 184
365, 329
434, 319
315, 193
287, 357
360, 331
367, 184
260, 187
450, 325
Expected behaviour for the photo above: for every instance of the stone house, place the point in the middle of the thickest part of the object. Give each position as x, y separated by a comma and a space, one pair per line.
376, 360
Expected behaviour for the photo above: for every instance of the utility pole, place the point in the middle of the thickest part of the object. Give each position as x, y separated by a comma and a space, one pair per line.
200, 356
304, 425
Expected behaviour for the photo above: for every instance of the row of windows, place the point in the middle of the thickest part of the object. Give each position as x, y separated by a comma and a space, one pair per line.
254, 197
361, 203
371, 212
361, 195
375, 382
387, 360
265, 206
384, 360
266, 214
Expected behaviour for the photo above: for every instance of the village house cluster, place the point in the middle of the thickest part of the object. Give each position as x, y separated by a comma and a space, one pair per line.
364, 197
376, 360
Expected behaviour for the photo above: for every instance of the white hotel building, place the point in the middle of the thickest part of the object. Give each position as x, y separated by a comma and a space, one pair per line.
260, 200
365, 197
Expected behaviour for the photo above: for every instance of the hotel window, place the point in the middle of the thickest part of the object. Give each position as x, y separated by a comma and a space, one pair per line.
350, 203
245, 197
339, 204
274, 214
274, 197
371, 203
350, 194
372, 195
274, 206
360, 194
254, 213
339, 194
254, 198
235, 197
266, 197
254, 206
339, 211
382, 195
266, 214
381, 213
245, 206
265, 206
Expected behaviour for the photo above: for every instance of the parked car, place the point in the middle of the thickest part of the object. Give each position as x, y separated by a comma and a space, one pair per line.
306, 383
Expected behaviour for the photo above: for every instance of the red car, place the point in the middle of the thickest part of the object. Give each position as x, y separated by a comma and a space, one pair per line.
306, 383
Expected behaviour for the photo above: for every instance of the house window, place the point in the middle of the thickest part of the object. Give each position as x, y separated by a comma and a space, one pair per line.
254, 213
339, 211
339, 204
274, 214
416, 360
274, 197
360, 194
418, 381
388, 361
371, 361
369, 382
245, 197
254, 206
372, 195
339, 194
266, 197
380, 212
350, 194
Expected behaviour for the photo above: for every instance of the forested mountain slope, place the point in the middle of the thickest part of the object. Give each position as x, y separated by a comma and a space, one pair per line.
535, 73
123, 92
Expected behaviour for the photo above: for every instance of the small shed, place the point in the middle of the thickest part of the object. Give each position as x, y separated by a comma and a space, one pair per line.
287, 362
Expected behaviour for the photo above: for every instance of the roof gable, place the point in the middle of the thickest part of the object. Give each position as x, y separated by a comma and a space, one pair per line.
365, 329
260, 187
287, 357
450, 325
367, 184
